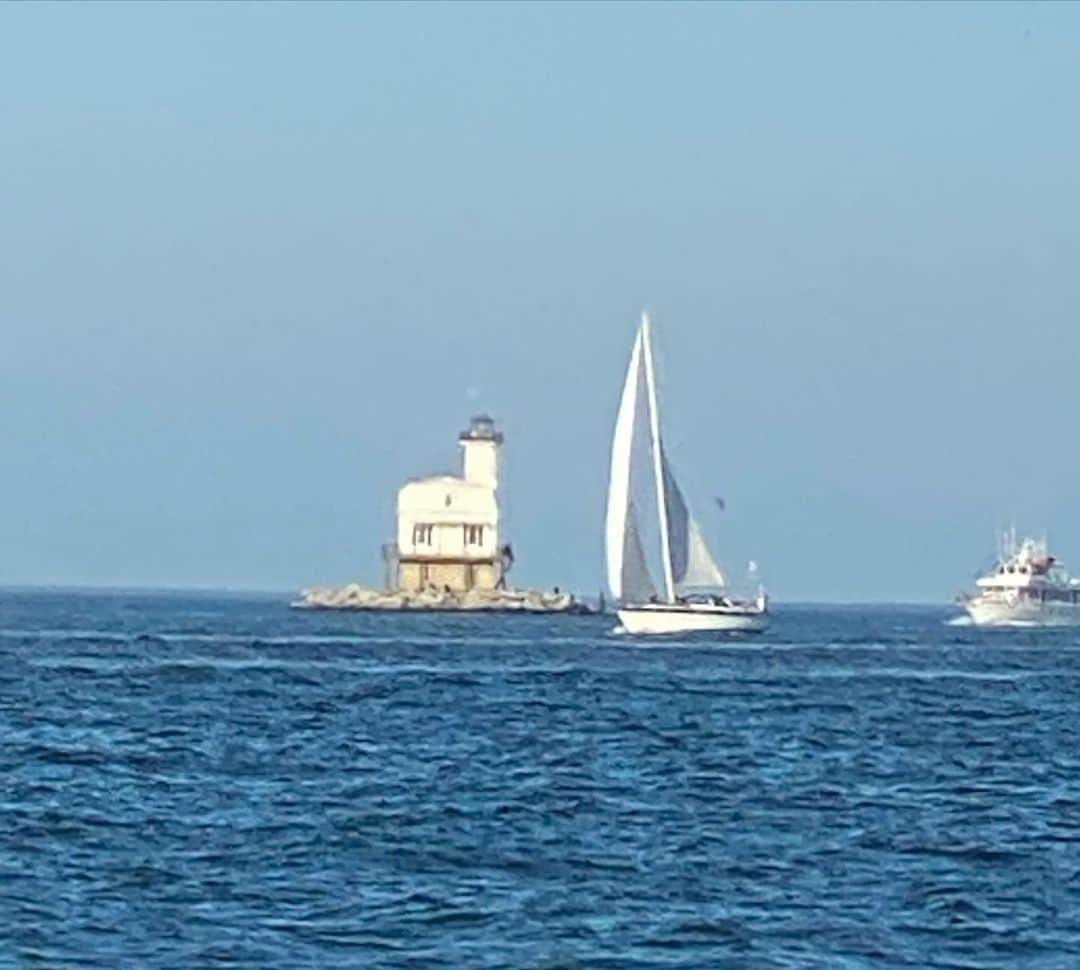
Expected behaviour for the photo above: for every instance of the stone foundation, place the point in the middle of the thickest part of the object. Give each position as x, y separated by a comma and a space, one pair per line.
355, 597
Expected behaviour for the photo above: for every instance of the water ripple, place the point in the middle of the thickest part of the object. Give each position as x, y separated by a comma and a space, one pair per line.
208, 781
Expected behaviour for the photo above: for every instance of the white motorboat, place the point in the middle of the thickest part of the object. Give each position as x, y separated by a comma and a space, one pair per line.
1026, 587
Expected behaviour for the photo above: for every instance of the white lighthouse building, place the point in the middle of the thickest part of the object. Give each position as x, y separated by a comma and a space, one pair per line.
448, 536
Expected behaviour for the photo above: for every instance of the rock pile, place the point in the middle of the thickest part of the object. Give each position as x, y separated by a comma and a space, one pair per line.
356, 597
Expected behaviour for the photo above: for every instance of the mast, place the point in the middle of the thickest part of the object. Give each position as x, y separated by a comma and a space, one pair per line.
654, 430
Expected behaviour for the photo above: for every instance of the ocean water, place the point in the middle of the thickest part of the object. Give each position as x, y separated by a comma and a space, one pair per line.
198, 781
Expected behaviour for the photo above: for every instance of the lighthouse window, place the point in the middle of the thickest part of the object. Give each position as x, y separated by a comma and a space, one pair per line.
421, 534
474, 535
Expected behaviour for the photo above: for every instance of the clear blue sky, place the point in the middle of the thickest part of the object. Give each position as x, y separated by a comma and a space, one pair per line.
258, 263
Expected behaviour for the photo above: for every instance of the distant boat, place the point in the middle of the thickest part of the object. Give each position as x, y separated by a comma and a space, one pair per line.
693, 593
1026, 587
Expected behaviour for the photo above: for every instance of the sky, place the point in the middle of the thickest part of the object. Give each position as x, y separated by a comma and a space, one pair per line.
260, 262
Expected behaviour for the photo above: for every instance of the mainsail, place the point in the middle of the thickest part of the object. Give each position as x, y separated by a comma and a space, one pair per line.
685, 558
627, 568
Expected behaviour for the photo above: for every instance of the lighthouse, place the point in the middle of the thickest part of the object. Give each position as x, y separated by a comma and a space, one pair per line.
448, 535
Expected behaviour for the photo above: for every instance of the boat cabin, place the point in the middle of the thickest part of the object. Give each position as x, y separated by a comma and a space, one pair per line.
1032, 575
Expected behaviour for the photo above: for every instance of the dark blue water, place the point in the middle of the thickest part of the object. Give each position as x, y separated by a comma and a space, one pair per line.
197, 782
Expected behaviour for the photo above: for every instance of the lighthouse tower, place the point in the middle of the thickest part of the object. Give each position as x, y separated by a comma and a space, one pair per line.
481, 447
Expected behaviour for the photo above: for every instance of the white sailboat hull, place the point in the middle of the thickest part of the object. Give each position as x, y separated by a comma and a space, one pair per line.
666, 618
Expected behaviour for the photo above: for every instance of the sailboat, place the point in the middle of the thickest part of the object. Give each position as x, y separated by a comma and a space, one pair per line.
682, 605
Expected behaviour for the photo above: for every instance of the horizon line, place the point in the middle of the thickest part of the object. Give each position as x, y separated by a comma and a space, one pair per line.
105, 588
